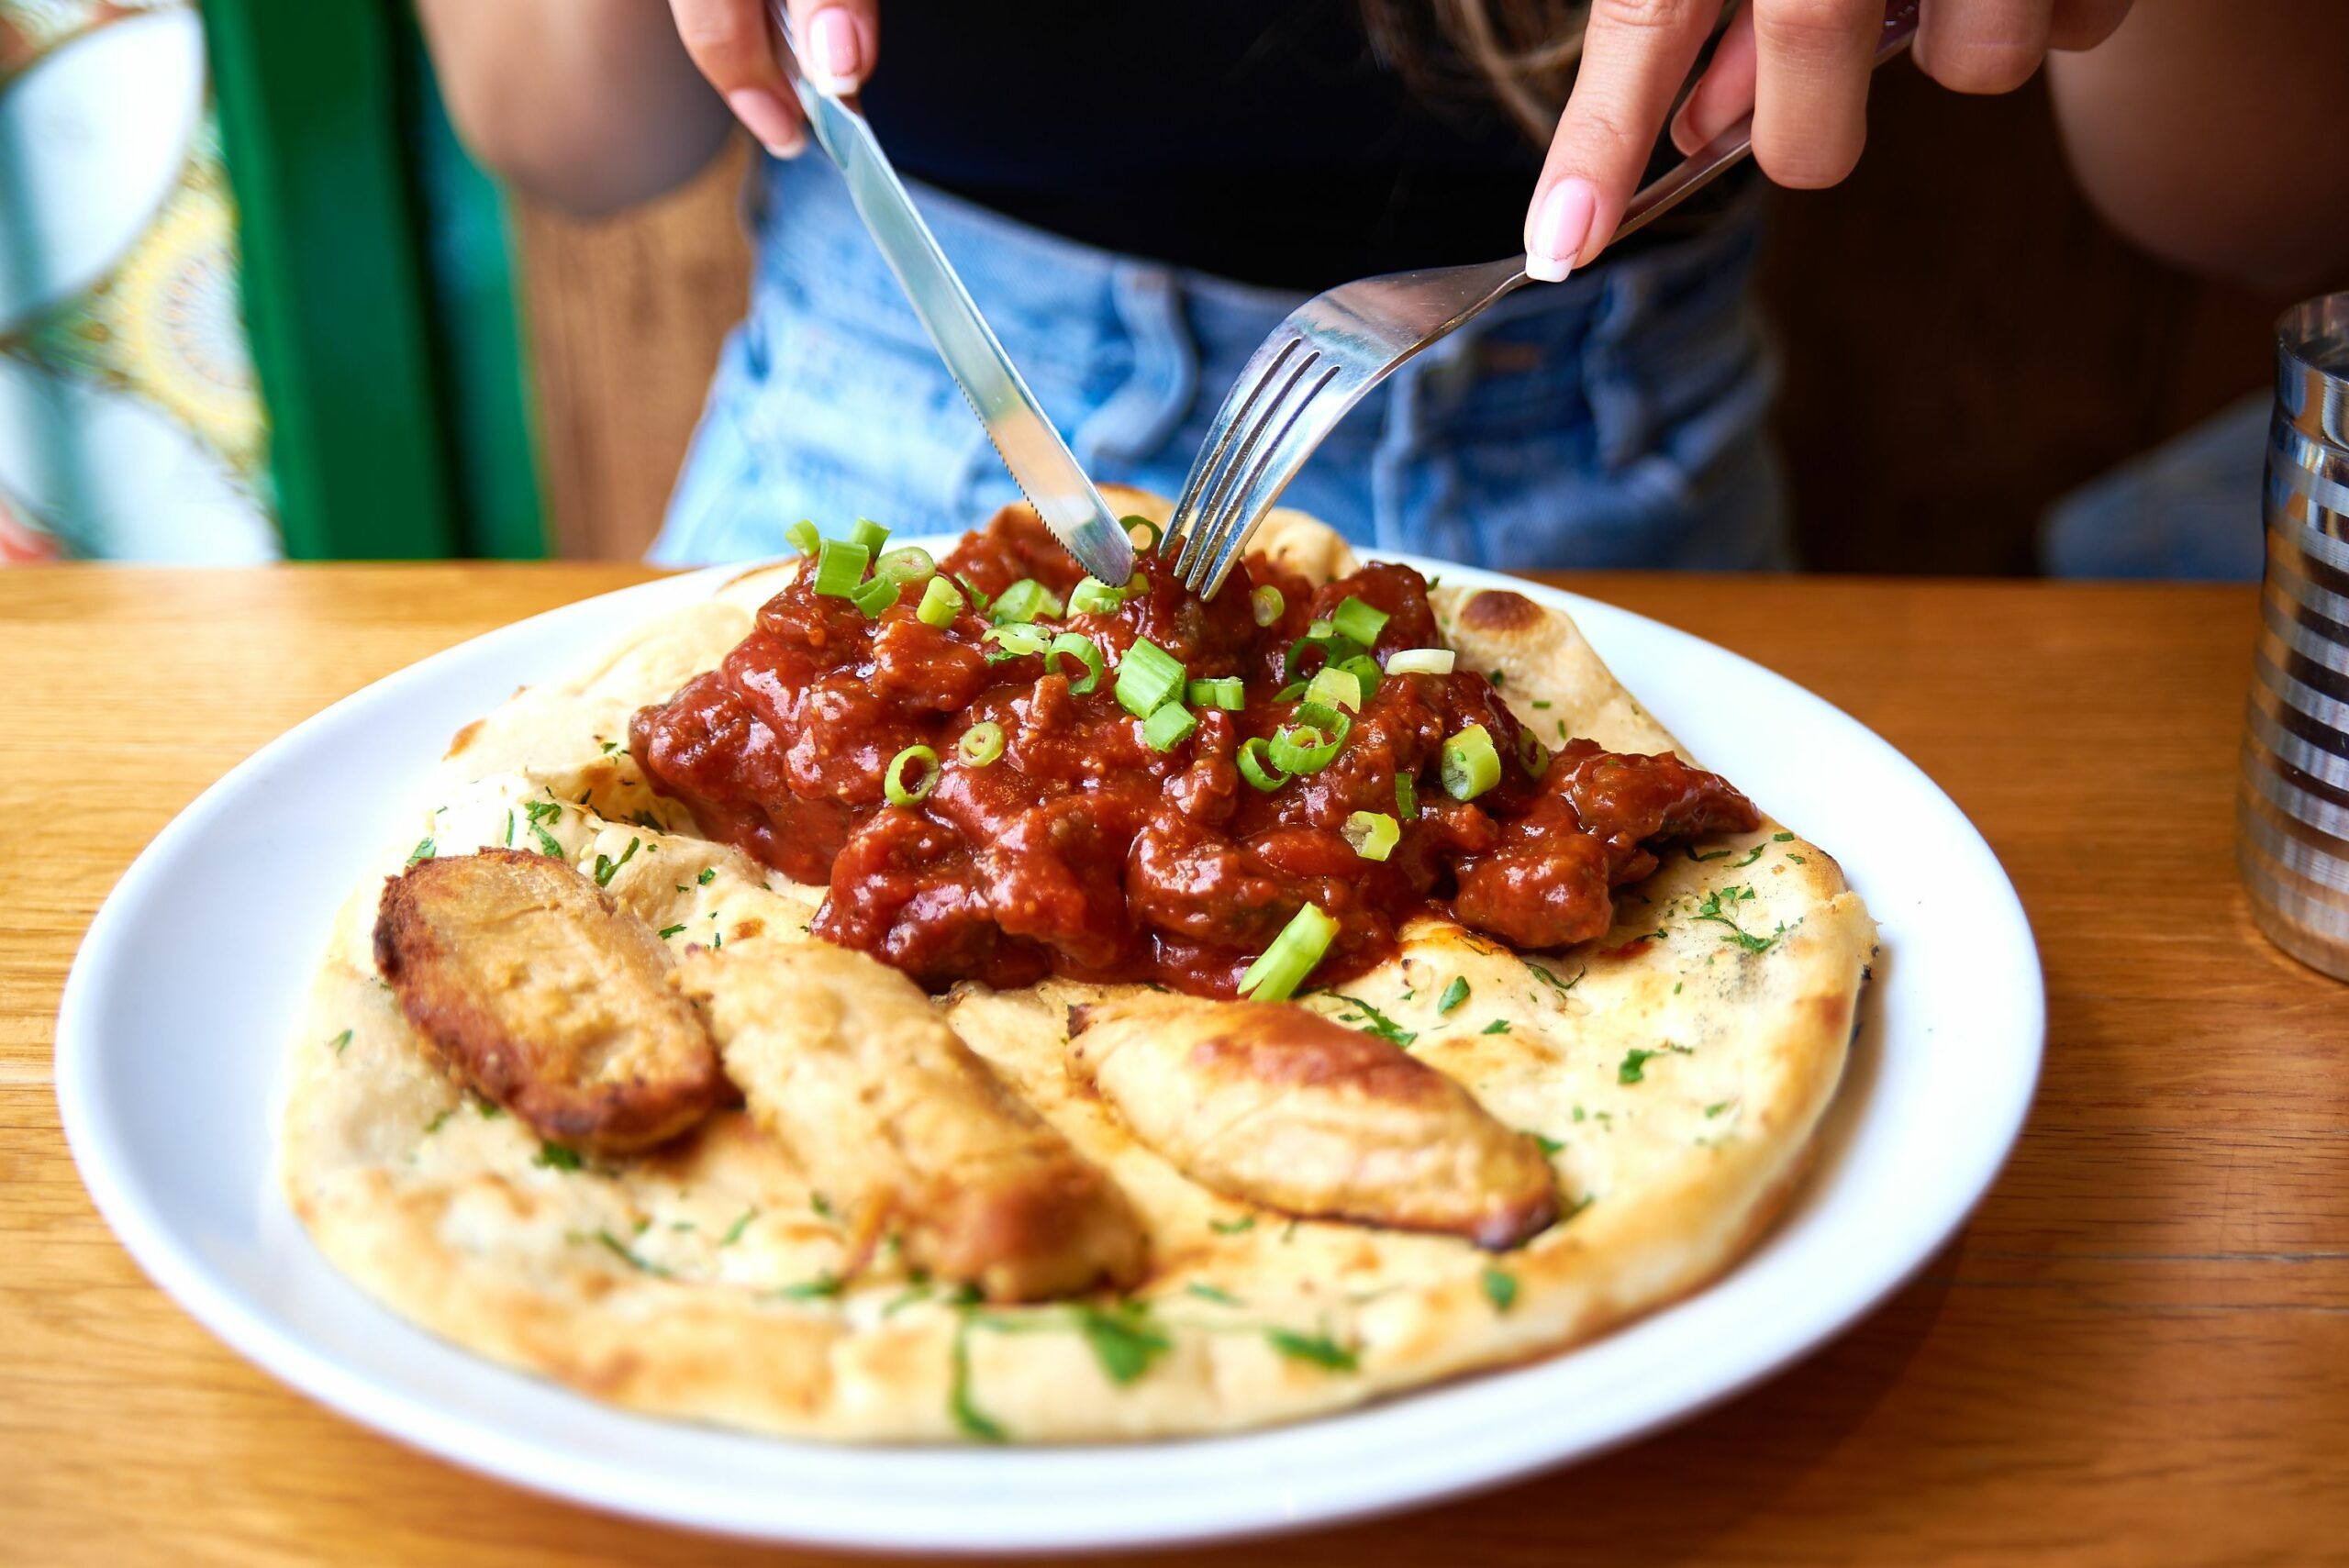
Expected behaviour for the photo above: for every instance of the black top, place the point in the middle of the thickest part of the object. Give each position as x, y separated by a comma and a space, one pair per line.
1260, 141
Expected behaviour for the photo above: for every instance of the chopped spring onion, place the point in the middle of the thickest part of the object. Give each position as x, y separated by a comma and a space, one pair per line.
1025, 600
1131, 524
1255, 766
1015, 639
1095, 597
1531, 754
1320, 628
1290, 693
979, 601
1275, 975
909, 563
980, 744
1471, 766
1335, 650
804, 536
1407, 798
1168, 727
1077, 646
840, 567
1420, 662
869, 534
1266, 604
1148, 678
893, 783
1362, 667
875, 596
1358, 620
1334, 687
1223, 690
1373, 834
1310, 743
940, 603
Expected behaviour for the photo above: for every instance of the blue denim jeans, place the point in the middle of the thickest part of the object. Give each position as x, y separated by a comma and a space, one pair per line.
1615, 419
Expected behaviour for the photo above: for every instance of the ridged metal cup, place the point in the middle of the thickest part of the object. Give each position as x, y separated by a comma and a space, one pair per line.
2292, 813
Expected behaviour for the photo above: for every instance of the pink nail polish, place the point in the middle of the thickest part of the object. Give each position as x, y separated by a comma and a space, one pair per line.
1560, 226
836, 55
763, 113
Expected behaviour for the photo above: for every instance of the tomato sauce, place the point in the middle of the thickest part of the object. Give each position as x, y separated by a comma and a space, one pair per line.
1081, 850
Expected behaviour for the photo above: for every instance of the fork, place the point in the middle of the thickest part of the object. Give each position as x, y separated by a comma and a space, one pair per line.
1338, 345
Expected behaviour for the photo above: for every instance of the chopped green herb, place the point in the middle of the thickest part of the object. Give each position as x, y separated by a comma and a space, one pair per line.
1497, 677
424, 849
541, 813
967, 1417
339, 1041
1216, 1294
1797, 859
1552, 982
1501, 1289
509, 826
824, 1286
628, 1254
609, 746
1581, 1115
1718, 907
1751, 855
605, 867
556, 1157
734, 1232
1576, 1206
1549, 1145
821, 1204
1454, 993
1499, 1025
1382, 1026
709, 873
1690, 851
1677, 986
1123, 1340
1716, 1108
1232, 1226
1634, 1067
668, 931
1318, 1349
439, 1121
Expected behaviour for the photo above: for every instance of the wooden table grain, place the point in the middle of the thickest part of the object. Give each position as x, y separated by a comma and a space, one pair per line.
2137, 1352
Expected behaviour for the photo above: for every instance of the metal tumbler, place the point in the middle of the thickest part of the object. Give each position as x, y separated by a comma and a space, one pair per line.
2292, 809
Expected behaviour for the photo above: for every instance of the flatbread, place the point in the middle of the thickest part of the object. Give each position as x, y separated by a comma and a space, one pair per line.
1676, 1069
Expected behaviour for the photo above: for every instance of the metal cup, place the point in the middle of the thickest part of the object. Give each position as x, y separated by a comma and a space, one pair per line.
2292, 810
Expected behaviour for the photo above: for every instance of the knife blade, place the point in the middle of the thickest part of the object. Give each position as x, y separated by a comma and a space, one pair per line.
1039, 461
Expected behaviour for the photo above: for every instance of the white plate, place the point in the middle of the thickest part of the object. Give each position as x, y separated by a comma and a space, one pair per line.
174, 1027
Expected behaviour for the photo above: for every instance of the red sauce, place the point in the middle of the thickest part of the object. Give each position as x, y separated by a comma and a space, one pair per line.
1081, 850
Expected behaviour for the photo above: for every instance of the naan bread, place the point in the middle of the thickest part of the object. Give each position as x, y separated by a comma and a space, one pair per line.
1673, 1072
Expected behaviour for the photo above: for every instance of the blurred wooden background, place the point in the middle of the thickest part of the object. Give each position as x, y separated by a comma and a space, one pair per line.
1962, 343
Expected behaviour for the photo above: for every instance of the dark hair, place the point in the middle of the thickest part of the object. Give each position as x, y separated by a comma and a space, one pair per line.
1520, 54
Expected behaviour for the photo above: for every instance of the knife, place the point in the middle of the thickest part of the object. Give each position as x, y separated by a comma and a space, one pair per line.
1039, 461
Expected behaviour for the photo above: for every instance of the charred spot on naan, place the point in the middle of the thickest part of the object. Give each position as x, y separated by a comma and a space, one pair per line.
1283, 1107
540, 992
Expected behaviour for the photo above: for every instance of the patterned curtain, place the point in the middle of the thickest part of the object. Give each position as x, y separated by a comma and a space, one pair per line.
131, 426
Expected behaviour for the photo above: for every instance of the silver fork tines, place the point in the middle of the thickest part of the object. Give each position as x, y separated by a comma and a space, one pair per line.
1338, 345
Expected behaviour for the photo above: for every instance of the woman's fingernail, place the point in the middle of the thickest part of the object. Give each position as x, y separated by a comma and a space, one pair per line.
836, 54
1561, 224
767, 119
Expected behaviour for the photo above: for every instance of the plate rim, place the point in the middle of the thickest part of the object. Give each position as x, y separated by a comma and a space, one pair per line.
279, 1348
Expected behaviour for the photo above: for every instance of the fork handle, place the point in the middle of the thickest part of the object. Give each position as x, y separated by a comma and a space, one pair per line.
1732, 147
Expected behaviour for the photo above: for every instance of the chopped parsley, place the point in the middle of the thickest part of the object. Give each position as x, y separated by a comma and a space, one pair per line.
1501, 1289
967, 1417
1499, 1025
625, 1252
1716, 1108
1576, 1206
1690, 851
1539, 703
821, 1204
1380, 1024
1454, 993
824, 1286
556, 1157
1717, 909
1123, 1339
1319, 1349
605, 866
709, 874
509, 826
425, 850
1549, 1145
1634, 1068
1496, 678
609, 746
668, 931
1782, 838
1797, 859
541, 813
1751, 855
439, 1121
734, 1232
1232, 1226
339, 1041
1554, 983
1216, 1294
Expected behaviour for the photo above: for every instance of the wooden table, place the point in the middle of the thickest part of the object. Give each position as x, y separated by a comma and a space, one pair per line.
2137, 1352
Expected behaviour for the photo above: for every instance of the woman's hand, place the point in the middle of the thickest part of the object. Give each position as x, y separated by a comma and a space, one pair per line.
732, 44
1800, 66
